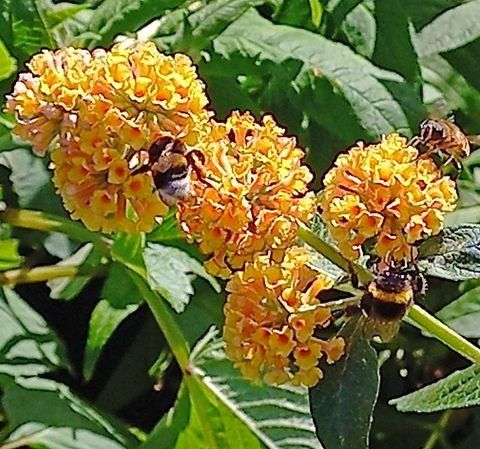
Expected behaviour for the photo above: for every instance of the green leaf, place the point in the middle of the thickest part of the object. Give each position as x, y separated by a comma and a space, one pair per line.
120, 298
458, 390
452, 90
28, 346
33, 186
171, 271
45, 413
128, 250
316, 9
463, 314
342, 403
169, 230
278, 416
9, 257
8, 65
23, 29
453, 254
193, 31
360, 29
59, 245
88, 259
422, 13
371, 95
113, 17
441, 35
56, 13
339, 9
393, 47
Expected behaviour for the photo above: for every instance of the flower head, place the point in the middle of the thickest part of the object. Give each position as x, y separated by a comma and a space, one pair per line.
253, 191
270, 320
387, 193
100, 111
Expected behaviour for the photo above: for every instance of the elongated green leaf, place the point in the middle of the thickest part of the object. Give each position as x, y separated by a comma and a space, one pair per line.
463, 314
27, 346
342, 403
422, 13
279, 417
458, 390
47, 414
120, 298
370, 93
171, 271
339, 9
360, 29
23, 29
455, 92
113, 17
440, 36
9, 257
193, 28
393, 47
8, 64
88, 259
454, 254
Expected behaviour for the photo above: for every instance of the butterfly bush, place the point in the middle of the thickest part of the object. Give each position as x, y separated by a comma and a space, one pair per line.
99, 112
271, 320
386, 192
252, 195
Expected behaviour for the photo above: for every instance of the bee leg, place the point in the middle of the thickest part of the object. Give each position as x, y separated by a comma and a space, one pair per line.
414, 141
143, 169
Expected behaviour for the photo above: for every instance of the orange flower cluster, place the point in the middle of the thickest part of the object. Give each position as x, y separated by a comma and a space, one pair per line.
99, 112
252, 195
386, 192
270, 320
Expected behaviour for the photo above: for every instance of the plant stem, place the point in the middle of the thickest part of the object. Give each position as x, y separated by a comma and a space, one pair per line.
438, 431
31, 219
332, 254
417, 316
44, 273
421, 319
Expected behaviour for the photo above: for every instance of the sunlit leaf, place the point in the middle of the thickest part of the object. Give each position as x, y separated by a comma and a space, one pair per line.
42, 412
28, 346
278, 416
440, 36
171, 272
458, 390
453, 254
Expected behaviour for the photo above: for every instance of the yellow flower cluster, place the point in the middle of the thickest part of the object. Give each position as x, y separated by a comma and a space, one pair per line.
387, 193
100, 112
270, 320
252, 194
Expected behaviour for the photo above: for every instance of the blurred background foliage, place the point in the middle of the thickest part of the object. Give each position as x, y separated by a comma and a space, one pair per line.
82, 361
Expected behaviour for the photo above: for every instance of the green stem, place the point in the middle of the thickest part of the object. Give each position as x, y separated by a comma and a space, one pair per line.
39, 274
332, 254
166, 322
421, 319
417, 316
31, 219
438, 431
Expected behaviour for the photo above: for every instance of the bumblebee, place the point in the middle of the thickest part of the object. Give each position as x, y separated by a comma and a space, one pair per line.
444, 137
385, 300
388, 297
171, 165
